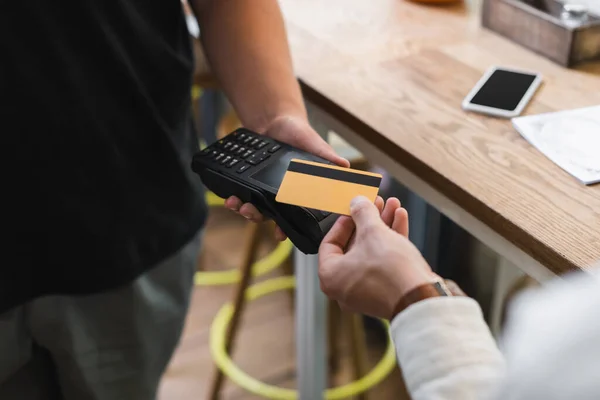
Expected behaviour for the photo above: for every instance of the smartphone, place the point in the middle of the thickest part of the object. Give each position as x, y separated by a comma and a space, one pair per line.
502, 92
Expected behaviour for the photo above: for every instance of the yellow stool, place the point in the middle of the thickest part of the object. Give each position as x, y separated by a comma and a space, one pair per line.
219, 349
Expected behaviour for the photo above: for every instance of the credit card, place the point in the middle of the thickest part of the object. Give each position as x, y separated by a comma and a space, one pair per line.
326, 187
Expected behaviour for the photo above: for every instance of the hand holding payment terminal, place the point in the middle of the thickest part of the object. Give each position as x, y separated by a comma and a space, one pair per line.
251, 167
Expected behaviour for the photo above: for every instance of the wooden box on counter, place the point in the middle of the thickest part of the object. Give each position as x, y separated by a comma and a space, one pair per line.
538, 25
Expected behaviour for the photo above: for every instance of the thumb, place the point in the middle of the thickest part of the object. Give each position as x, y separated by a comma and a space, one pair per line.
364, 213
322, 149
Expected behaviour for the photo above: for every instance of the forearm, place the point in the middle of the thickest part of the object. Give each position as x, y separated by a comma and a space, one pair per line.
246, 45
446, 351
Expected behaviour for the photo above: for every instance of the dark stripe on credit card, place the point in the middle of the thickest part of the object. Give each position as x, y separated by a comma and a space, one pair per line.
336, 174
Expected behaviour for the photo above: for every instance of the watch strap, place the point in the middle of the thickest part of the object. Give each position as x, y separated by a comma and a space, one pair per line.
437, 288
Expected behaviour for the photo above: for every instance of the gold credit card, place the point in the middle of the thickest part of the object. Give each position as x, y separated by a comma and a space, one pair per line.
326, 187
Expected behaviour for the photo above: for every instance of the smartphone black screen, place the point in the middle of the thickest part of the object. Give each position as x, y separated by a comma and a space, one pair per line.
503, 89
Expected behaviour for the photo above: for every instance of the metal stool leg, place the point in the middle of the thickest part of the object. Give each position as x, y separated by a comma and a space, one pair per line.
249, 254
311, 321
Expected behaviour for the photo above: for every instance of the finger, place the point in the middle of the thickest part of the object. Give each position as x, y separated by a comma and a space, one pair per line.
391, 205
327, 152
279, 234
400, 223
334, 158
352, 240
233, 203
322, 149
337, 238
251, 213
379, 203
364, 213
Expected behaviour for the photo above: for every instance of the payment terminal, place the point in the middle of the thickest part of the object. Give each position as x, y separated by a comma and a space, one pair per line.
251, 167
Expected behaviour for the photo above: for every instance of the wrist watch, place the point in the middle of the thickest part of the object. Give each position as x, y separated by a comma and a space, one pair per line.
436, 288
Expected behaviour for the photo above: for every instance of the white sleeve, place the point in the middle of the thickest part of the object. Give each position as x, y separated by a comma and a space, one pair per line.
446, 350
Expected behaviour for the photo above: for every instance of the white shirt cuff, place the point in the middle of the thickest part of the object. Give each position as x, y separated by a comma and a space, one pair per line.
445, 348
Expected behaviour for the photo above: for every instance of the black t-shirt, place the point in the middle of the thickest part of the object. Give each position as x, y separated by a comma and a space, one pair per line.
98, 140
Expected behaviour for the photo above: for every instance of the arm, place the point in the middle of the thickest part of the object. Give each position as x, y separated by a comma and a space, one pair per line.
246, 45
245, 42
444, 347
446, 350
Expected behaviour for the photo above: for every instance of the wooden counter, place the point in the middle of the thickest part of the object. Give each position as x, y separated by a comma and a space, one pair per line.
395, 72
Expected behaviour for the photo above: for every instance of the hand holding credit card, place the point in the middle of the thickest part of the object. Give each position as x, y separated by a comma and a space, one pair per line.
326, 187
